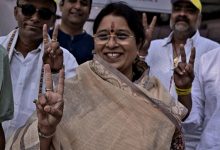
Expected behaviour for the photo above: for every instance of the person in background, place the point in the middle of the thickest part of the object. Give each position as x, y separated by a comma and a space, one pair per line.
206, 101
29, 48
74, 14
6, 96
111, 103
164, 54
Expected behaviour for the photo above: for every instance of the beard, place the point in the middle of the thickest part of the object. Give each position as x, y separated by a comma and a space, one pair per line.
182, 24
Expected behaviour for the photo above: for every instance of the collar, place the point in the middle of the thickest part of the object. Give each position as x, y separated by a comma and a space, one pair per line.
168, 39
12, 40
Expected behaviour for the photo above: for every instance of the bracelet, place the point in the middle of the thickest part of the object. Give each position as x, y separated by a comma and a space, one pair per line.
183, 92
46, 136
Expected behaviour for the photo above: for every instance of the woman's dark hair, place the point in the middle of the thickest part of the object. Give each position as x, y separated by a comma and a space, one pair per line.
129, 14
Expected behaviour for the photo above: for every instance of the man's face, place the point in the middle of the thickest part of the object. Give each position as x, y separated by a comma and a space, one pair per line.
31, 15
185, 17
75, 12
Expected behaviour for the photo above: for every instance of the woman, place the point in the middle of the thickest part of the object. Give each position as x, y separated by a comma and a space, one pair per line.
6, 98
111, 103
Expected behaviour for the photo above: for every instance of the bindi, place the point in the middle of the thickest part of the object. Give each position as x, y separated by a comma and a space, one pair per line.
112, 28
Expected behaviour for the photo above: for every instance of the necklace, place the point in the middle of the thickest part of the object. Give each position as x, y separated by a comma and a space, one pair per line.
175, 56
175, 61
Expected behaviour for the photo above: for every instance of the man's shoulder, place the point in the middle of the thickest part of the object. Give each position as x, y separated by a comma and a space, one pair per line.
157, 41
65, 51
157, 44
87, 36
212, 53
2, 38
207, 41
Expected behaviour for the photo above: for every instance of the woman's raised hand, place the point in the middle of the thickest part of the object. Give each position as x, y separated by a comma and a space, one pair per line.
50, 105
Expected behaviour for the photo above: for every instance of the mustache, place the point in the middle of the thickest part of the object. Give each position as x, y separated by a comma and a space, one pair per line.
182, 18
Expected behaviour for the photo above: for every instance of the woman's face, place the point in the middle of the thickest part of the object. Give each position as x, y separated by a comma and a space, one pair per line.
115, 43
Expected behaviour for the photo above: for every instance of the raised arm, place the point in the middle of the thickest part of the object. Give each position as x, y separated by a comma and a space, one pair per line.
49, 108
143, 50
183, 78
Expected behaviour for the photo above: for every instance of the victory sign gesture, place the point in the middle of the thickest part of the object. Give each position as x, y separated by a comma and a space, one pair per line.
53, 55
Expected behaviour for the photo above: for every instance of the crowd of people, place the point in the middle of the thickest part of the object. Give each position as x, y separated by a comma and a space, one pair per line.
62, 88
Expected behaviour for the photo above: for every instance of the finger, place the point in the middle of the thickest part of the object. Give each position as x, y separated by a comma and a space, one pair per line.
153, 23
182, 53
192, 56
190, 71
48, 77
60, 86
38, 106
58, 52
144, 21
45, 35
178, 71
55, 46
189, 68
56, 110
55, 33
182, 67
42, 100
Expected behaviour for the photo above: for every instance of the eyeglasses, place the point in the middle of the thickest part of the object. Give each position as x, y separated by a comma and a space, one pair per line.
29, 10
120, 38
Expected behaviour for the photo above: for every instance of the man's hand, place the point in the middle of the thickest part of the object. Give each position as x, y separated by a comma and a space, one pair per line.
148, 34
184, 72
53, 55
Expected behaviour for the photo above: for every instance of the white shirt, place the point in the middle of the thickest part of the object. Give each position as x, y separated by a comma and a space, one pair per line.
160, 60
25, 73
206, 101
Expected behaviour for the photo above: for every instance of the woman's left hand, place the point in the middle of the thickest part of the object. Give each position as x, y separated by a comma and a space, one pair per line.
184, 72
148, 34
50, 105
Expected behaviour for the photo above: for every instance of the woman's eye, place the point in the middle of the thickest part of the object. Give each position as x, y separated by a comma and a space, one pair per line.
103, 36
122, 36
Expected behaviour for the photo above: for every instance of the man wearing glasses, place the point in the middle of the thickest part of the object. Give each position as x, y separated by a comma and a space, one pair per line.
29, 47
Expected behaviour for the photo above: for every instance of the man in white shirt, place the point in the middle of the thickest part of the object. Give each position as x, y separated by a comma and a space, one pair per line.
164, 54
27, 54
206, 101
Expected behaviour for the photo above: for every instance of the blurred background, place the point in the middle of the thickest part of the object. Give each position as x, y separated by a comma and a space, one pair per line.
209, 28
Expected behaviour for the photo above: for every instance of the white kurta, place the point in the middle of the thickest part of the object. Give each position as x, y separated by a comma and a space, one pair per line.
160, 60
25, 73
206, 101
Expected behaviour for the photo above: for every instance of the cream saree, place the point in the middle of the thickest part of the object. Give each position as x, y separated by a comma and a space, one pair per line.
102, 112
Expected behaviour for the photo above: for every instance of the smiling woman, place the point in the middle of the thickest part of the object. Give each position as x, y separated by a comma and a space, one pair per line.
112, 103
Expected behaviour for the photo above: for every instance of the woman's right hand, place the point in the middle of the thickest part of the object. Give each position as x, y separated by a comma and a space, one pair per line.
50, 105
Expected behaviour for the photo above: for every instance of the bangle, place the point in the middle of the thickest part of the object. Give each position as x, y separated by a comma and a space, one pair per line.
183, 92
142, 57
46, 136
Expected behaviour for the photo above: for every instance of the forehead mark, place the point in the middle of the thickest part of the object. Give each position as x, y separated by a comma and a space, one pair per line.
112, 27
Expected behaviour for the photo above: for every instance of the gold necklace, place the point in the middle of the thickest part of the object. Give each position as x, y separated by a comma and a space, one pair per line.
176, 58
175, 61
